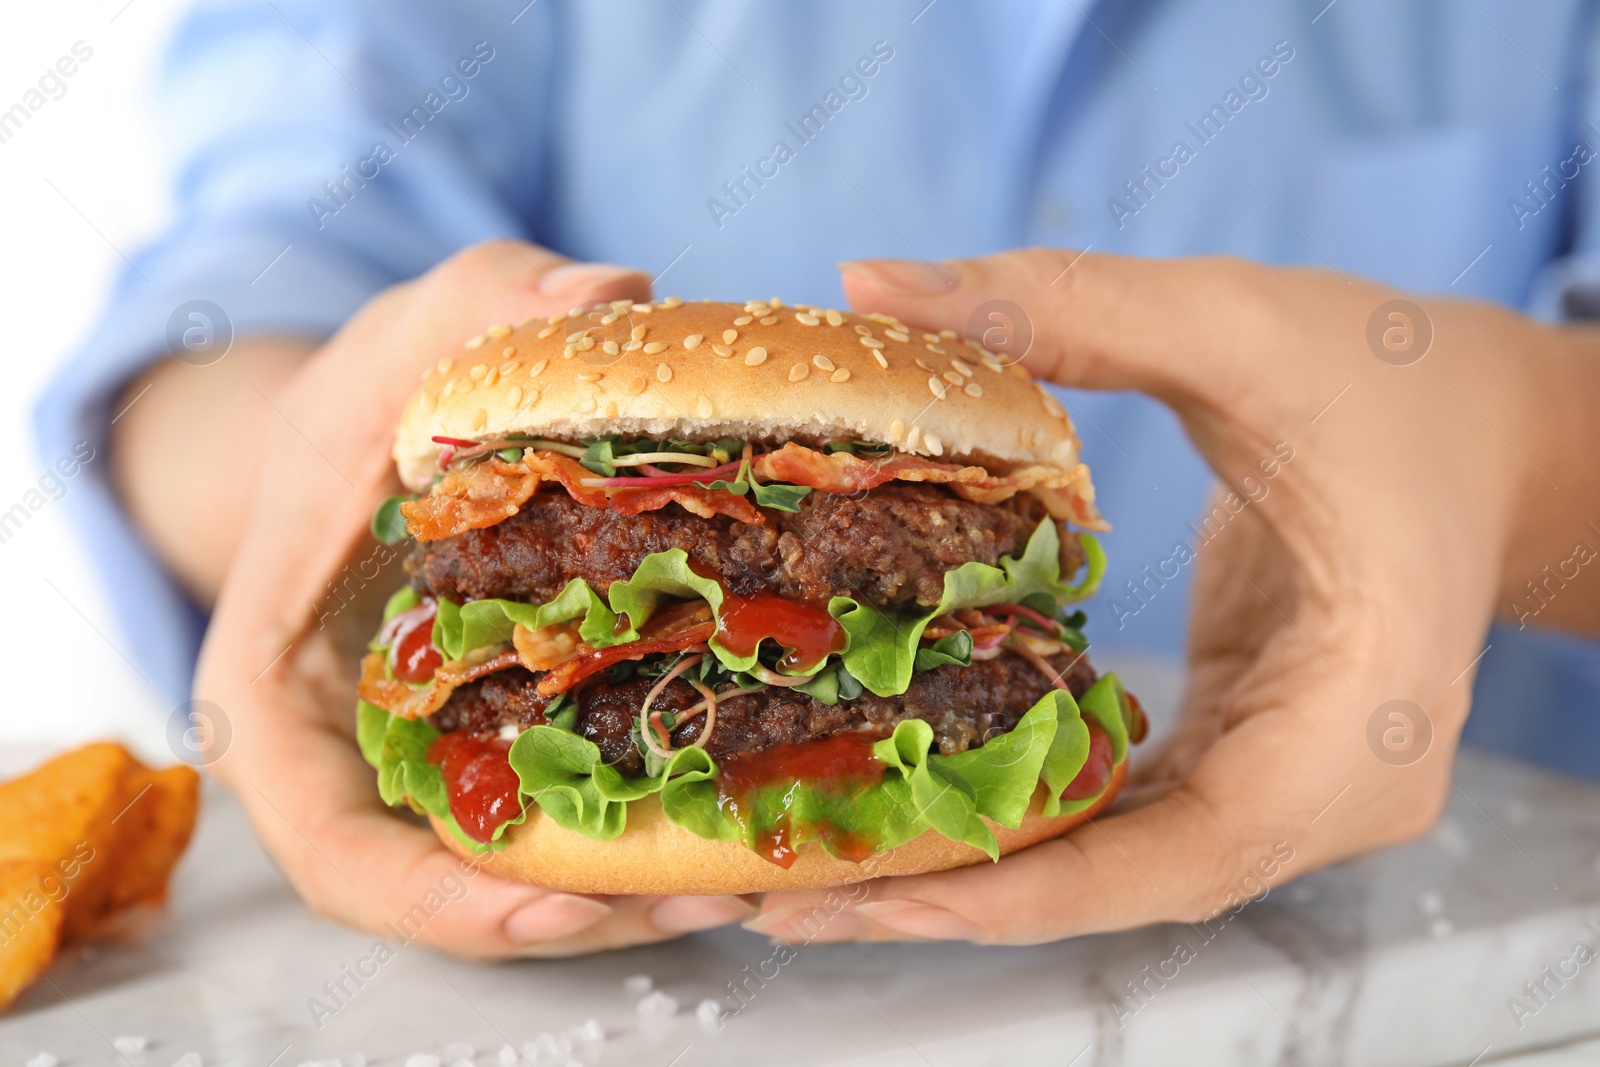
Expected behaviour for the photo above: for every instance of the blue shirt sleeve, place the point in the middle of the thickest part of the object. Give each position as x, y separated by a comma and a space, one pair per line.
321, 151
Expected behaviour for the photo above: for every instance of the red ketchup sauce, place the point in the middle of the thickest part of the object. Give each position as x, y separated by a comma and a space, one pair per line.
751, 784
1096, 772
482, 787
806, 629
412, 657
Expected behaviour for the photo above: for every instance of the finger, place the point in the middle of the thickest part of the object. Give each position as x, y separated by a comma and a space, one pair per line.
1249, 816
355, 862
1086, 319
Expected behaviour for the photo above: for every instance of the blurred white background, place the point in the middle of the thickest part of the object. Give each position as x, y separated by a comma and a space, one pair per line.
81, 181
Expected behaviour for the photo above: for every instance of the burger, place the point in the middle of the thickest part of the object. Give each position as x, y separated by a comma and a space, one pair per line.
718, 598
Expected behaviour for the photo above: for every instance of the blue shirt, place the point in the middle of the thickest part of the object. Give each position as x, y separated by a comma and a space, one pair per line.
323, 150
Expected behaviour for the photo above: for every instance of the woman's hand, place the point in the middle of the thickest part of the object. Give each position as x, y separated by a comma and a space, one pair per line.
1383, 522
279, 660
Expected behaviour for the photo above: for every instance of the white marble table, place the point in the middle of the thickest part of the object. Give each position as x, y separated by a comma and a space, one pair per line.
1407, 957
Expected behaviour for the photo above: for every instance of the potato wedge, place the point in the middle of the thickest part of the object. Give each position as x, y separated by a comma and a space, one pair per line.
63, 815
32, 910
151, 832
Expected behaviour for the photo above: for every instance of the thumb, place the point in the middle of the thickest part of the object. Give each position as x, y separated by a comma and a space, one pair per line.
1075, 318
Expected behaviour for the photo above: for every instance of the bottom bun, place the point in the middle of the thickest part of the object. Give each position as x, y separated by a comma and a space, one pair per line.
657, 857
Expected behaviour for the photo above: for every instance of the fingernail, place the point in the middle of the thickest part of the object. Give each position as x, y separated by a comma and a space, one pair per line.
912, 275
580, 278
774, 921
685, 915
920, 920
557, 915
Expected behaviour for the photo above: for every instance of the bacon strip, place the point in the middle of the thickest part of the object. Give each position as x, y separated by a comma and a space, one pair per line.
1066, 494
398, 698
591, 661
493, 490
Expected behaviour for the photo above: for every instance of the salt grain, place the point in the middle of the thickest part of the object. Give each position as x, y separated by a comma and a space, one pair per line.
43, 1059
1431, 903
591, 1031
709, 1014
130, 1046
657, 1005
422, 1059
188, 1059
506, 1057
637, 985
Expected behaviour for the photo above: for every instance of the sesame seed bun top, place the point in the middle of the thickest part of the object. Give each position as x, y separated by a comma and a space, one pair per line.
760, 370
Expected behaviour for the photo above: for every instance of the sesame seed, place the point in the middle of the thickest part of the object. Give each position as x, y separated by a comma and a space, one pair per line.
429, 402
633, 346
822, 361
953, 378
798, 372
510, 365
692, 342
638, 333
610, 348
930, 337
663, 372
913, 437
864, 331
575, 312
477, 342
588, 343
608, 318
937, 387
975, 346
834, 318
480, 418
547, 332
584, 406
840, 375
973, 389
897, 430
642, 309
729, 336
743, 320
775, 302
514, 395
933, 444
653, 347
948, 334
498, 332
935, 349
492, 377
896, 335
963, 368
557, 319
722, 350
444, 365
991, 361
611, 409
807, 320
570, 351
925, 367
532, 399
769, 320
464, 385
883, 360
755, 357
574, 338
448, 390
619, 305
702, 406
672, 302
478, 370
590, 376
872, 342
637, 385
880, 317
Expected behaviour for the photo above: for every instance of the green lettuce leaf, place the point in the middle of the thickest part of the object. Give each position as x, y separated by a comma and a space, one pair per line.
460, 628
883, 646
398, 750
1107, 703
565, 775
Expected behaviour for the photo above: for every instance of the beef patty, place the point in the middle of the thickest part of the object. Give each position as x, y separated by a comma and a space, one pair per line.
965, 706
889, 547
